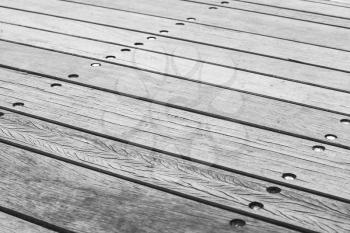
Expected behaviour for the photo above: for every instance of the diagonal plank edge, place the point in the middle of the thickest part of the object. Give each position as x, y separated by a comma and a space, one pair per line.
180, 132
221, 103
285, 70
11, 224
28, 58
178, 175
143, 7
83, 200
197, 34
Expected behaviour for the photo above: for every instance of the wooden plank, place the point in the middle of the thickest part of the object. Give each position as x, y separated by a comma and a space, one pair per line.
216, 186
216, 37
338, 3
176, 49
142, 6
283, 28
45, 62
221, 103
305, 6
11, 224
82, 200
210, 140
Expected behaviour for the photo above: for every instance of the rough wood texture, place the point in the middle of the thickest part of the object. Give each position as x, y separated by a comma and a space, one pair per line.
220, 103
266, 9
82, 200
215, 37
45, 62
192, 179
11, 224
175, 48
214, 141
302, 5
250, 22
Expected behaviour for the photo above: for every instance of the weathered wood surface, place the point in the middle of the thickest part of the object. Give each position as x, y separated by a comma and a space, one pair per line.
189, 178
210, 140
265, 25
176, 49
215, 37
11, 224
82, 200
45, 62
158, 9
213, 101
323, 8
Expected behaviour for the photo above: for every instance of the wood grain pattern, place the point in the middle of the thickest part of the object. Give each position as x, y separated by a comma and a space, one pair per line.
216, 37
210, 140
83, 200
265, 9
250, 22
43, 61
176, 49
213, 101
308, 6
192, 179
158, 8
11, 224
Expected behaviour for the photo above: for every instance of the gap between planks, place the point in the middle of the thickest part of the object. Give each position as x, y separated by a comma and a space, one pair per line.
289, 71
131, 119
95, 202
268, 47
175, 175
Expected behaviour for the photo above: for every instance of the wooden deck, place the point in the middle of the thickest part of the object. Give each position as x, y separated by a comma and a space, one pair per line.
174, 116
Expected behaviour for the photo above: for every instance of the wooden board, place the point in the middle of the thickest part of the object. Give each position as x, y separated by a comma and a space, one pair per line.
228, 39
186, 177
11, 224
43, 61
82, 200
210, 140
270, 10
188, 116
238, 107
247, 22
305, 6
158, 9
271, 67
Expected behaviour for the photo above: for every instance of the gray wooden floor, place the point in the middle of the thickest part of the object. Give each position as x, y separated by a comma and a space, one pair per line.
174, 116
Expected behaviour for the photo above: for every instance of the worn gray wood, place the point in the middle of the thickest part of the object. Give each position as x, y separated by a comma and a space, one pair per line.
43, 61
309, 6
210, 140
192, 179
154, 61
83, 200
191, 32
11, 224
204, 99
185, 8
250, 22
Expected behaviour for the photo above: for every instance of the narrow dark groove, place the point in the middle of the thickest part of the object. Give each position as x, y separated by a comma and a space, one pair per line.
207, 25
165, 74
150, 71
191, 41
189, 158
287, 8
33, 220
257, 12
328, 3
138, 48
160, 188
